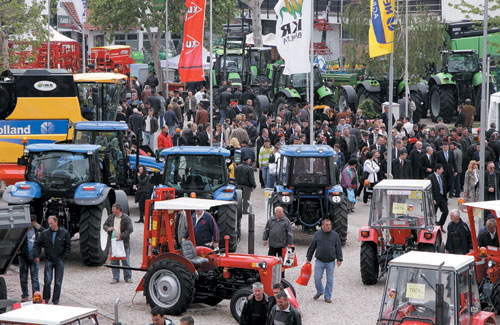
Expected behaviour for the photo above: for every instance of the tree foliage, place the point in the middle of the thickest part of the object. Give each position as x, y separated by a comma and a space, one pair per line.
425, 41
25, 27
472, 11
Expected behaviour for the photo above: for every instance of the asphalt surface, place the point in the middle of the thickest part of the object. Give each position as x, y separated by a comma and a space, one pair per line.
352, 302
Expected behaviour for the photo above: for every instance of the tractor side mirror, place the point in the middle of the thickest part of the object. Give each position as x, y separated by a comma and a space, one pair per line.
237, 157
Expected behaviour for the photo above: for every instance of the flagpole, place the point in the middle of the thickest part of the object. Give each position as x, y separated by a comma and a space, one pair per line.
211, 77
83, 47
48, 27
166, 49
311, 79
407, 112
389, 119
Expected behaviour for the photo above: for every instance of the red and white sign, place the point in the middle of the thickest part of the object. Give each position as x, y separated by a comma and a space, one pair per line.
191, 60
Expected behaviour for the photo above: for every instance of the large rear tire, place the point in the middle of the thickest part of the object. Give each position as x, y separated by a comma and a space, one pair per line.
338, 215
227, 221
368, 263
94, 241
261, 105
443, 102
3, 293
169, 285
495, 298
418, 99
238, 301
363, 94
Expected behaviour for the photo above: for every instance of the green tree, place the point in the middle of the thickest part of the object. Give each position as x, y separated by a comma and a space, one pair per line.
425, 41
25, 26
112, 15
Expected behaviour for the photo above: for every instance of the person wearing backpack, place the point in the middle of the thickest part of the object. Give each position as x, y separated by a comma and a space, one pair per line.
459, 237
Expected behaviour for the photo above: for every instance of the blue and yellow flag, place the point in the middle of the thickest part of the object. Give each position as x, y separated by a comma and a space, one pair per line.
381, 35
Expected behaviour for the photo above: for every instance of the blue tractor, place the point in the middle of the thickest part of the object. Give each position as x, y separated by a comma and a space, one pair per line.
67, 181
114, 152
307, 188
203, 171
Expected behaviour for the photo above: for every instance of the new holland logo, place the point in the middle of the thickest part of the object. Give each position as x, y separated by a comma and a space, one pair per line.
191, 44
193, 10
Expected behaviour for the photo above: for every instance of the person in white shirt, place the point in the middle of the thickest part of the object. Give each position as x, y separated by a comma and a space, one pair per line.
372, 168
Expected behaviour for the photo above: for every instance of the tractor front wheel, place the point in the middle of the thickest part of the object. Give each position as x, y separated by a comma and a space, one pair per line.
338, 215
169, 285
94, 241
369, 263
443, 102
227, 221
238, 301
3, 293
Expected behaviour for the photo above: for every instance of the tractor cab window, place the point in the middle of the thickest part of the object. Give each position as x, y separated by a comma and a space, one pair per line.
468, 295
301, 80
191, 173
283, 171
58, 170
399, 208
412, 293
309, 171
99, 101
462, 62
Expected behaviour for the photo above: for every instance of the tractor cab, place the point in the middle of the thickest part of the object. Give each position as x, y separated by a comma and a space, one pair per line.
306, 188
461, 61
257, 65
401, 219
432, 288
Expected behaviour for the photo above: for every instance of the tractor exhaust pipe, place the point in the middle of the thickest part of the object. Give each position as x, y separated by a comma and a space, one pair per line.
440, 297
117, 322
251, 229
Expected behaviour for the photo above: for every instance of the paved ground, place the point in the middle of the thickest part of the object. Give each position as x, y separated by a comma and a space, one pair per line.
353, 302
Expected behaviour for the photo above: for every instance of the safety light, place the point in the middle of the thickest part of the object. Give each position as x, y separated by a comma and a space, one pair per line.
24, 141
365, 233
298, 150
427, 235
320, 150
285, 193
483, 252
90, 152
192, 195
227, 190
89, 188
24, 187
491, 263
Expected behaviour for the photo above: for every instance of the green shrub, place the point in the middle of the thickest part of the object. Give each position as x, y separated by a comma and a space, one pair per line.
367, 106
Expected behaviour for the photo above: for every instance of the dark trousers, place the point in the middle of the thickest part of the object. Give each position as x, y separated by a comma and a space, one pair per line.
246, 191
142, 204
366, 193
27, 266
442, 204
450, 182
52, 268
190, 115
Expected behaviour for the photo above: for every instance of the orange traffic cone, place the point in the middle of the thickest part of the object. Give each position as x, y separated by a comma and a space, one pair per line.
305, 274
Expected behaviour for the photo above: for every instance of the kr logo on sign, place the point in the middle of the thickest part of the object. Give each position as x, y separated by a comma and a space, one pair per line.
190, 44
192, 11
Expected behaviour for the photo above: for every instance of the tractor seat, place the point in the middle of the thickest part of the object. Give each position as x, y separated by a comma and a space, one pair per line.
189, 252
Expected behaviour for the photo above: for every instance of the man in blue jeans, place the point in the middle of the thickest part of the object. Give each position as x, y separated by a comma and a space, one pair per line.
326, 244
26, 260
57, 246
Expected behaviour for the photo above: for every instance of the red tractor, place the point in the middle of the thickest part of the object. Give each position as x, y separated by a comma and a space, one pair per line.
110, 58
402, 219
179, 272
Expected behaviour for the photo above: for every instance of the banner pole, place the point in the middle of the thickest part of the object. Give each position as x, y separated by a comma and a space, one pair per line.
166, 50
311, 79
389, 119
48, 27
211, 79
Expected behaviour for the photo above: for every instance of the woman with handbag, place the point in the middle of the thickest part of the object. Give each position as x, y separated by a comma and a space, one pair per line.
349, 182
371, 169
471, 182
143, 188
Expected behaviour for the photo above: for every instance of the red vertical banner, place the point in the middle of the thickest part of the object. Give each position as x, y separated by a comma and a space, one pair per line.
191, 60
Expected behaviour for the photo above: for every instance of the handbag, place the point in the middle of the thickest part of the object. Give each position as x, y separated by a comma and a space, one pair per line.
351, 196
117, 250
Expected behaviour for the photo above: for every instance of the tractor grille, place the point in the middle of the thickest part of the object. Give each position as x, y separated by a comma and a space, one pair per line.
277, 273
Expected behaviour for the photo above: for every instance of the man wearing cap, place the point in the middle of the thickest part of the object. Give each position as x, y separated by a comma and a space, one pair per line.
401, 167
469, 111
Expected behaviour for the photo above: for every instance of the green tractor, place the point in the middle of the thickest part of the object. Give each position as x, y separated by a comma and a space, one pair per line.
228, 67
257, 66
461, 78
292, 89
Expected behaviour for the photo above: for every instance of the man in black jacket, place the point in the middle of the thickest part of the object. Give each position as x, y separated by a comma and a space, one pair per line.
326, 244
490, 236
246, 181
459, 237
446, 158
439, 191
427, 163
57, 246
283, 312
254, 310
416, 160
401, 167
27, 264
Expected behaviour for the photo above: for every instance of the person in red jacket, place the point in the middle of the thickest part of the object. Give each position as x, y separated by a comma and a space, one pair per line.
164, 139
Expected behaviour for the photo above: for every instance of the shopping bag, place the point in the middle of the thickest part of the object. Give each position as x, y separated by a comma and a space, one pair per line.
351, 196
305, 274
117, 249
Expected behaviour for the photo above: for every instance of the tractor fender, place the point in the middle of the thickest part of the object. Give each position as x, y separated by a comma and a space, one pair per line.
290, 93
477, 79
483, 317
351, 93
225, 193
92, 193
372, 235
324, 91
22, 192
372, 86
149, 162
175, 257
401, 87
121, 198
435, 233
422, 87
441, 79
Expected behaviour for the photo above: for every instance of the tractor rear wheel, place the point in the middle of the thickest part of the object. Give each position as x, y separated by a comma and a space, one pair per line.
368, 263
495, 297
227, 221
261, 105
169, 285
238, 301
443, 102
3, 293
94, 241
338, 215
418, 99
343, 100
363, 94
477, 100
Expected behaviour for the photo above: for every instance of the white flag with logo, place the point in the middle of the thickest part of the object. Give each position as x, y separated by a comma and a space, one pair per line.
293, 34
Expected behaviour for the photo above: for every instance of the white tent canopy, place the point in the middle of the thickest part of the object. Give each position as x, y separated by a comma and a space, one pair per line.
55, 36
267, 40
494, 109
173, 63
185, 203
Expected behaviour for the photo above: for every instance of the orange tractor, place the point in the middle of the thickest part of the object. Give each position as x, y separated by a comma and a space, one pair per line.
179, 272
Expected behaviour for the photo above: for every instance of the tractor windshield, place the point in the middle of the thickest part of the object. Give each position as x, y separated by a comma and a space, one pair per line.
58, 170
192, 173
99, 101
462, 62
309, 171
301, 80
401, 209
411, 295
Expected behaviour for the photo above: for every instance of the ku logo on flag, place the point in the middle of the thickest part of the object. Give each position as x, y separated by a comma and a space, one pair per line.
192, 11
191, 44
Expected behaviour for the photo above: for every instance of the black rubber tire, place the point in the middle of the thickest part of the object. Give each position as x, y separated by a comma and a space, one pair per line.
288, 284
236, 300
369, 263
178, 273
211, 301
3, 293
261, 105
444, 103
92, 219
418, 99
495, 298
227, 221
363, 94
343, 100
338, 215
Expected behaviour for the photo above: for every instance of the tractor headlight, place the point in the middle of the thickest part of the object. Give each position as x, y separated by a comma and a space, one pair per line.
286, 199
491, 263
262, 265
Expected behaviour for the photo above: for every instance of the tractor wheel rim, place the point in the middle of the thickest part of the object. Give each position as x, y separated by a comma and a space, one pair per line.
342, 103
165, 288
239, 305
103, 234
435, 104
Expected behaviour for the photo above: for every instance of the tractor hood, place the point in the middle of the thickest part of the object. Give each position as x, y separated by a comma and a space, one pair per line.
248, 261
